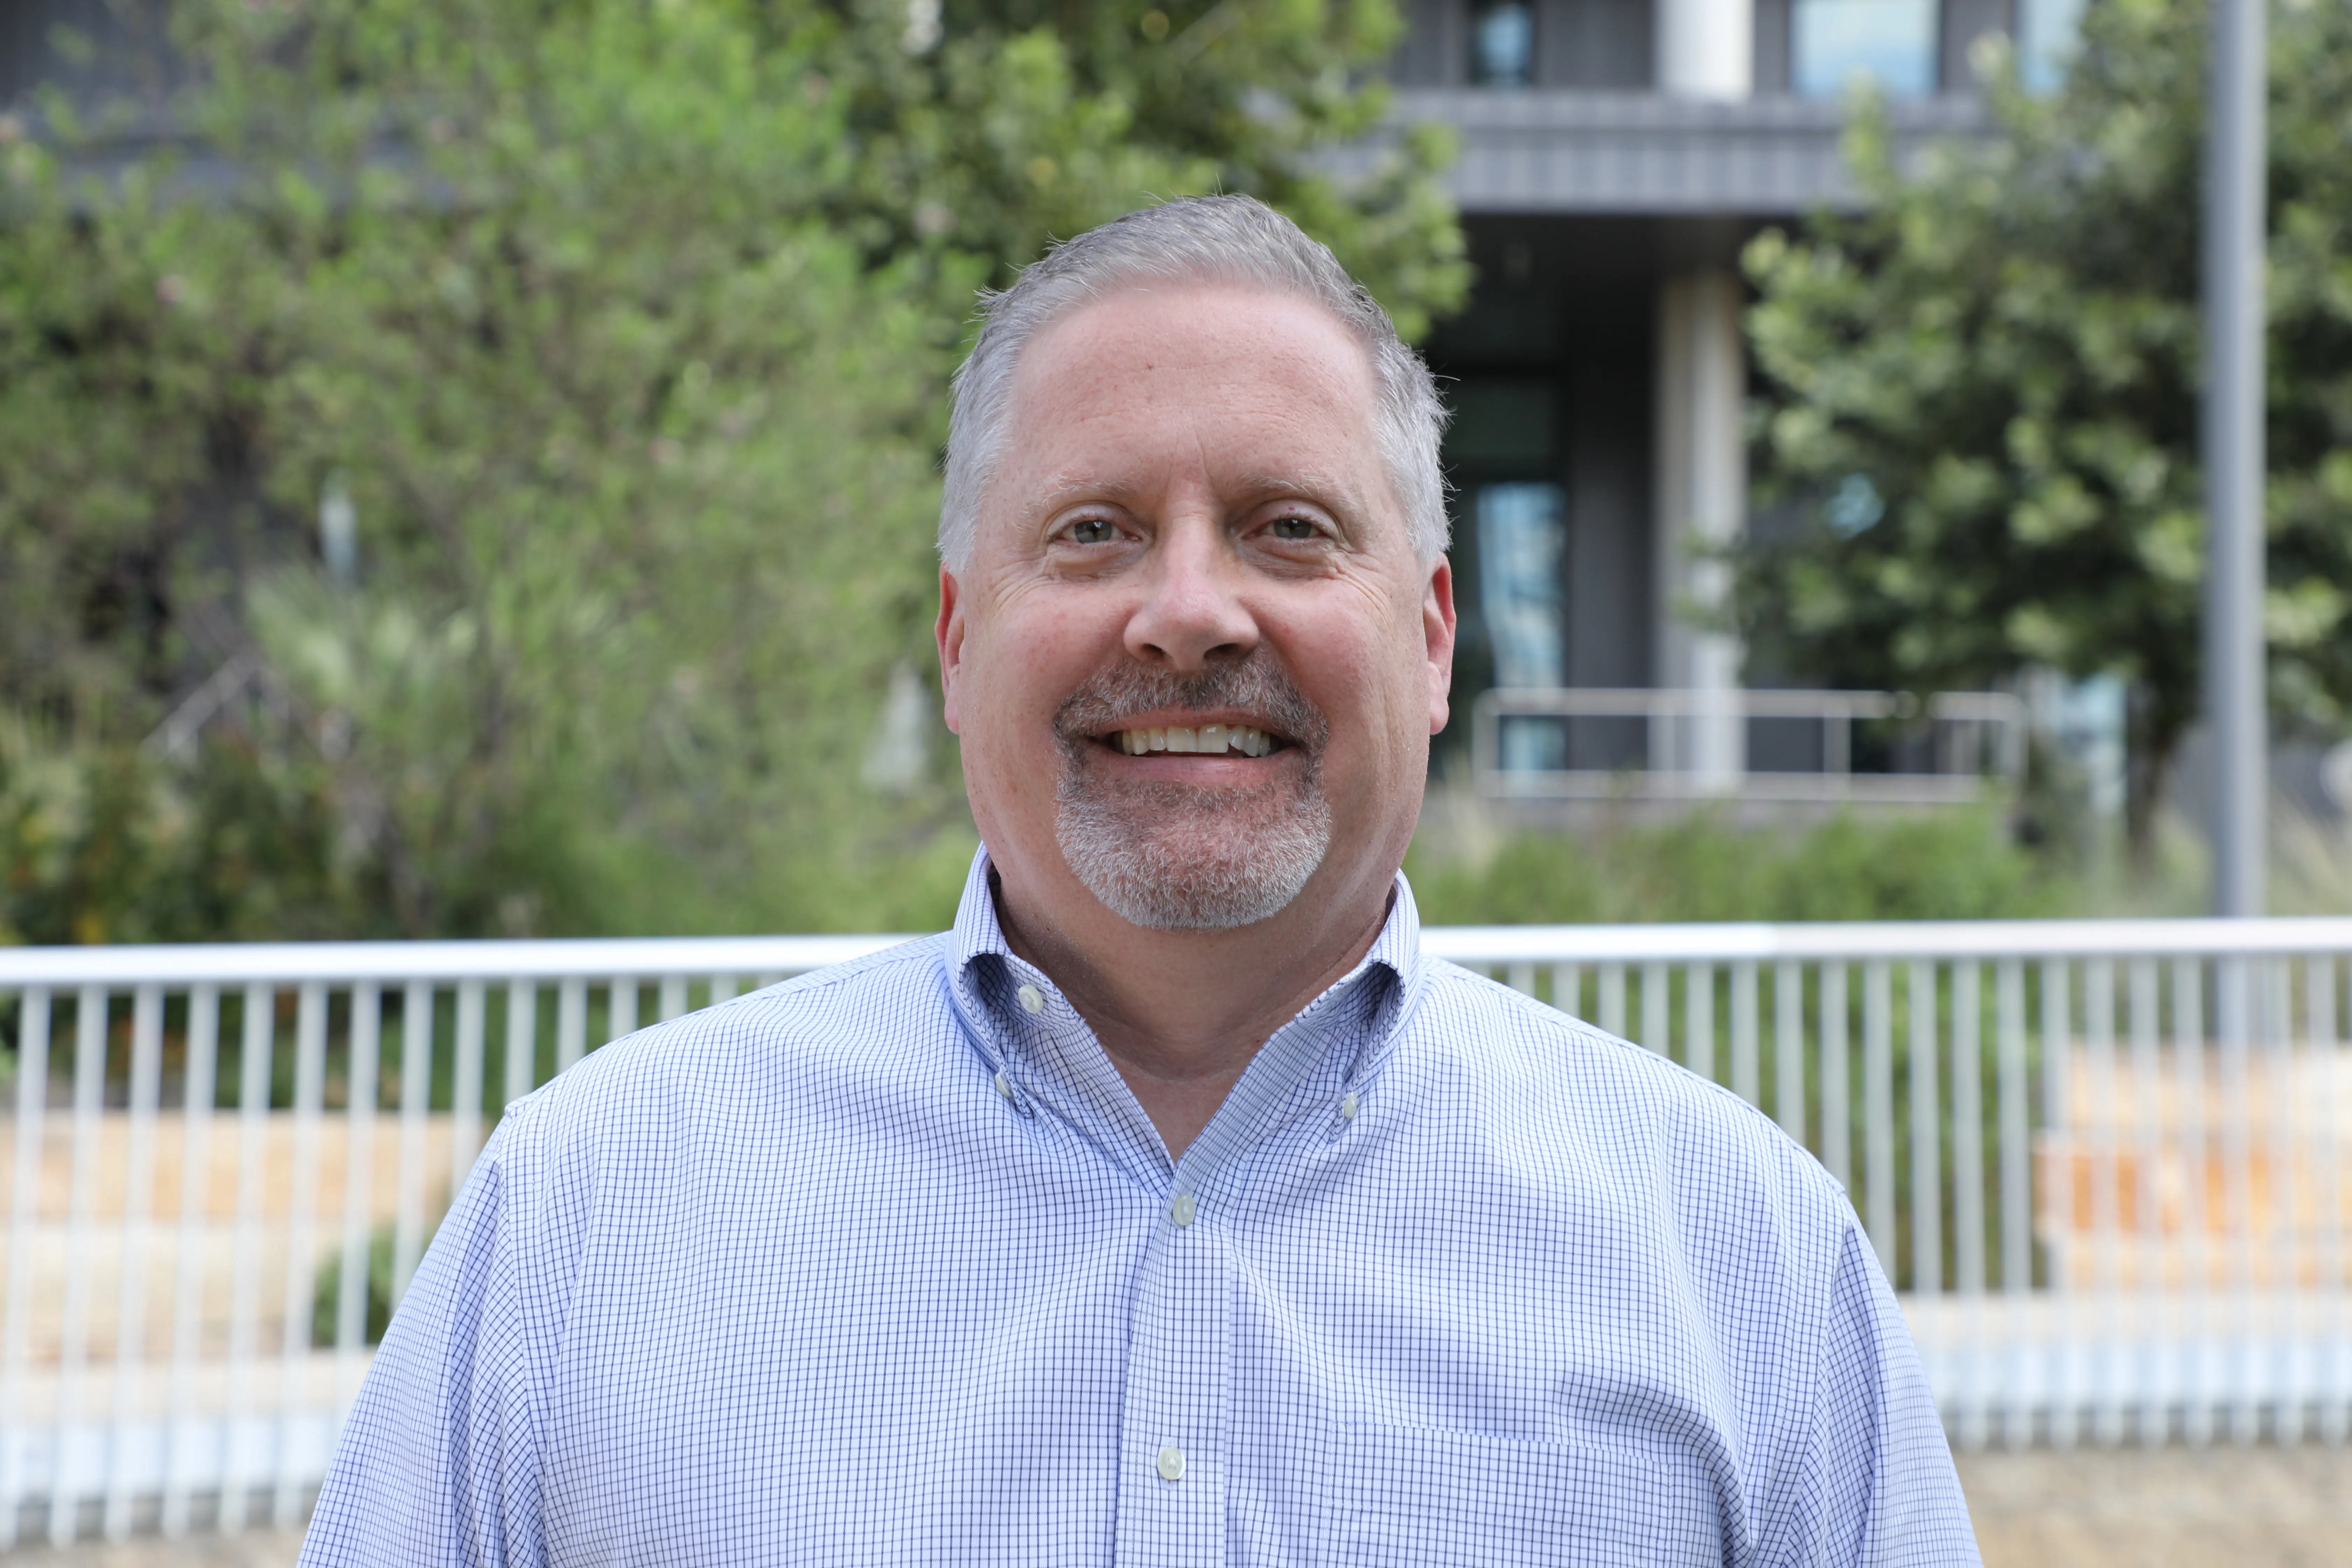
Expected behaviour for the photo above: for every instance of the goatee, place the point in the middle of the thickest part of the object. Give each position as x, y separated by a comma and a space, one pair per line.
1183, 856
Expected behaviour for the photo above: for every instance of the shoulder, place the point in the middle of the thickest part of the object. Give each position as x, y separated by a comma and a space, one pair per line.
1581, 1105
875, 1026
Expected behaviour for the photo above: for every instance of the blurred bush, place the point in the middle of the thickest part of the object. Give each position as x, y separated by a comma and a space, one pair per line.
1950, 866
482, 480
375, 1307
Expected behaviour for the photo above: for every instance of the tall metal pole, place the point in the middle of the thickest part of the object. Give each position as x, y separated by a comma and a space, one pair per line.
2236, 180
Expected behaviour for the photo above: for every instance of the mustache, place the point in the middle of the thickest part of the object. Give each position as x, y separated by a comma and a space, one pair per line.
1258, 685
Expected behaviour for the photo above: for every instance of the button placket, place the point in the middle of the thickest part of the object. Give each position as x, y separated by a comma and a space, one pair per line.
1178, 1410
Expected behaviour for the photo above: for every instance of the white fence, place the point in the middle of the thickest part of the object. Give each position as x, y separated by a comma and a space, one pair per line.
2102, 1162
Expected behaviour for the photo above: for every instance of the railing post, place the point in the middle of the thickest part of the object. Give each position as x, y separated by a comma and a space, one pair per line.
1698, 1006
187, 1317
1927, 1136
256, 1046
366, 1081
2016, 1193
1837, 1112
522, 1041
2060, 1194
1789, 1048
415, 1093
301, 1250
138, 1216
2148, 1090
1657, 1030
1747, 1071
73, 1356
2189, 1068
1878, 1112
2328, 1096
24, 1215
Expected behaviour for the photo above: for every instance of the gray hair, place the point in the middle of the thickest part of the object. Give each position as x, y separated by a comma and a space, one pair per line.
1199, 240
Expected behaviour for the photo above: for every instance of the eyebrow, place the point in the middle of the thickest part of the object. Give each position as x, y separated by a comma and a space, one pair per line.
1306, 484
1066, 488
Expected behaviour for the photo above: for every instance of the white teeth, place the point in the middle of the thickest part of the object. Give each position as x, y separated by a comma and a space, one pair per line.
1213, 739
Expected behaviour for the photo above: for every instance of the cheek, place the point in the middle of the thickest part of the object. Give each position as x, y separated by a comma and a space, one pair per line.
1029, 656
1373, 686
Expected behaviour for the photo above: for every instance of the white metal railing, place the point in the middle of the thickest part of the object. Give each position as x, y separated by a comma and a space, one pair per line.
1686, 745
2102, 1162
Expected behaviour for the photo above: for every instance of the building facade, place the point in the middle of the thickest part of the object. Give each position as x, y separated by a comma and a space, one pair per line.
1616, 156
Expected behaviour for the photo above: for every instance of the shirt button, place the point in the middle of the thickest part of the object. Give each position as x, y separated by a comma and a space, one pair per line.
1181, 1211
1348, 1105
1171, 1463
1005, 1086
1032, 999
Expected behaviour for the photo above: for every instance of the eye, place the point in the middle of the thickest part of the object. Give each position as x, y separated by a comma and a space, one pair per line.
1292, 529
1092, 531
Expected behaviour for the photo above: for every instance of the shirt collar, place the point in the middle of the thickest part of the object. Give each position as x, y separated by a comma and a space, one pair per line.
988, 980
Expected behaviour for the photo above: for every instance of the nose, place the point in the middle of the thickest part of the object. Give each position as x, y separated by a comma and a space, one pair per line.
1192, 614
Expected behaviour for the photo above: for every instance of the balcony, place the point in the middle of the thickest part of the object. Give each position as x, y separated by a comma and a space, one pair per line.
1796, 747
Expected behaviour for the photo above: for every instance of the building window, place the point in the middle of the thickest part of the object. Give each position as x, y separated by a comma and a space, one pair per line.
1503, 44
2047, 31
1520, 535
1891, 43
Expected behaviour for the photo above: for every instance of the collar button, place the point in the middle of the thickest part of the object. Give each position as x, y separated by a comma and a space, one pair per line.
1033, 1001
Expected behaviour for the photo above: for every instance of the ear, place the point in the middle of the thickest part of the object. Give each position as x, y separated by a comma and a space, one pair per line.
1437, 634
949, 633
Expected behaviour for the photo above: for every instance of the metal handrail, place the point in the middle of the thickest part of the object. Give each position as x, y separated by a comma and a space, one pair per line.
293, 963
1668, 774
599, 958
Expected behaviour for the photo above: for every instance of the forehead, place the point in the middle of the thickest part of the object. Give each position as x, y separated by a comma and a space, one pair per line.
1241, 376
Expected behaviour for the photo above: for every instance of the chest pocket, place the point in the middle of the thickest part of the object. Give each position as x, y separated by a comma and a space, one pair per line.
1434, 1500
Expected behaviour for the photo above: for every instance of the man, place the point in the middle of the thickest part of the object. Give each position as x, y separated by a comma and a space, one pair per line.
1171, 1208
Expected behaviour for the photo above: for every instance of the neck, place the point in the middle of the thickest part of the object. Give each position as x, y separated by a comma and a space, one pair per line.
1182, 1014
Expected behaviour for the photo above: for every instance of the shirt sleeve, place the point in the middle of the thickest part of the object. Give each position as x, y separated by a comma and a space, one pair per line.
438, 1463
1883, 1492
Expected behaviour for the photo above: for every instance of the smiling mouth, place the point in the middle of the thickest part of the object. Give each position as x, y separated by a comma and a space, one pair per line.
1212, 739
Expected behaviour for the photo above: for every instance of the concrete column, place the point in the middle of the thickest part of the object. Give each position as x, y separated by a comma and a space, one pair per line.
1706, 48
1702, 493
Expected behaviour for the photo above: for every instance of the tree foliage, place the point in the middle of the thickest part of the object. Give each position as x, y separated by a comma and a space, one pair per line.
1983, 389
622, 328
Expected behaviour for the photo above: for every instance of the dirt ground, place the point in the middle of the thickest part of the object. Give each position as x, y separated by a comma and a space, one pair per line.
2093, 1507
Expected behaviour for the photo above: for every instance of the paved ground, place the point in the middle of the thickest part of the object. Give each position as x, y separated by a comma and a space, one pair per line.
2174, 1508
256, 1548
2171, 1508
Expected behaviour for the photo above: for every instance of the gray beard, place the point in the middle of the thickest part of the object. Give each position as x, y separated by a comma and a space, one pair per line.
1171, 857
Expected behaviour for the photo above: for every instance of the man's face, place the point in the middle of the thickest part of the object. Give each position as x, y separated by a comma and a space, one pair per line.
1194, 661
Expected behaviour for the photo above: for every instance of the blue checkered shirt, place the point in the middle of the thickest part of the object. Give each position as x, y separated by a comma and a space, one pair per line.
886, 1265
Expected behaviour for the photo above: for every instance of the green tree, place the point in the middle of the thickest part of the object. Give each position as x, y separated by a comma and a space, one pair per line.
1984, 388
622, 329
